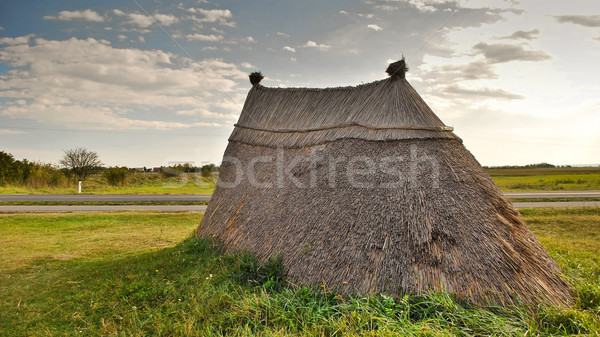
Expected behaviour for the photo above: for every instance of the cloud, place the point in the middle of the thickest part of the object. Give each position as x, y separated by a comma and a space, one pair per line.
368, 16
144, 21
374, 27
424, 6
88, 84
1, 28
313, 44
500, 53
10, 132
220, 16
472, 71
202, 37
283, 34
250, 39
15, 40
520, 34
86, 15
583, 20
482, 92
247, 65
166, 19
136, 19
290, 49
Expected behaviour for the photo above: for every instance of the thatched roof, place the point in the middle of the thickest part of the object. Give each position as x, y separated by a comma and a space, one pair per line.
389, 109
364, 189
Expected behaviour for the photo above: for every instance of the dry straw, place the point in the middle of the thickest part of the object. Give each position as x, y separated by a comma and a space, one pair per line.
458, 233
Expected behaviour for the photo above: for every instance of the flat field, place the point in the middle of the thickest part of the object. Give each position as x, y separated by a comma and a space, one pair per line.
140, 274
137, 183
547, 179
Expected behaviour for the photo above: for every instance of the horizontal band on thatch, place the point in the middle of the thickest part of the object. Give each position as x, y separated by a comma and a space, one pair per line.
347, 125
296, 139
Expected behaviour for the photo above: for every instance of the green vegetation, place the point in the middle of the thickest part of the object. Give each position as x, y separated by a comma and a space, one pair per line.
122, 274
29, 174
135, 183
546, 179
25, 177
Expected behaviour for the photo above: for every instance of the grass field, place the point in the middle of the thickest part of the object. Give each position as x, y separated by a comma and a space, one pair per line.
137, 183
545, 179
139, 274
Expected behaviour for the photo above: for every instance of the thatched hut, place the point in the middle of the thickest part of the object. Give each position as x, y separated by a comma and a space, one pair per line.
364, 189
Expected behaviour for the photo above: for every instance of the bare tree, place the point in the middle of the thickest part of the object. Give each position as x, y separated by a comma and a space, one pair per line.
80, 162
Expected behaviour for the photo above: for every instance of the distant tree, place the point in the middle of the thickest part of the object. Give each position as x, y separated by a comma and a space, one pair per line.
80, 162
7, 167
208, 169
116, 175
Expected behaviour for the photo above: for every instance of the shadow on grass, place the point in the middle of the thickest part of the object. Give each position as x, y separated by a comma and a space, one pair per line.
193, 289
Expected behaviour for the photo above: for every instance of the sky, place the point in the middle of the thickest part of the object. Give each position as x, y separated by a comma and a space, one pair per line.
151, 83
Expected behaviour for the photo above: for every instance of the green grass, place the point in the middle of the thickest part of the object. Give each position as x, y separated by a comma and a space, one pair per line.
139, 274
563, 182
547, 179
137, 183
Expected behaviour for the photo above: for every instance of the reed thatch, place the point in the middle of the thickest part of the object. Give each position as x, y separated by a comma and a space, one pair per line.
430, 219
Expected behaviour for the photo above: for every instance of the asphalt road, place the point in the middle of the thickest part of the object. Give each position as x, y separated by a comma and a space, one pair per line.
100, 208
206, 197
202, 208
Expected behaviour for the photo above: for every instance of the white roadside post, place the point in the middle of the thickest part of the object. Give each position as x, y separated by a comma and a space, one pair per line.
79, 188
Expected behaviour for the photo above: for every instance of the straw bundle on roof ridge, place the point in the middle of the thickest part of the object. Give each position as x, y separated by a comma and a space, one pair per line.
365, 189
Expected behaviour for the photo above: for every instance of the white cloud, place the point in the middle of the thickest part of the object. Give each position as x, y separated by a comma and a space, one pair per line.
202, 37
141, 39
89, 84
221, 16
482, 92
250, 39
15, 40
290, 49
367, 16
313, 44
144, 21
247, 65
521, 34
499, 53
166, 19
10, 132
86, 15
139, 20
374, 27
121, 37
583, 20
425, 6
283, 34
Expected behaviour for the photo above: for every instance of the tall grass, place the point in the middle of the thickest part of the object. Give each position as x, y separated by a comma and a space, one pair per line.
130, 287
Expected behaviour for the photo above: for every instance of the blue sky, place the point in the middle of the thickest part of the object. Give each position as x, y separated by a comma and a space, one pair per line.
147, 83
